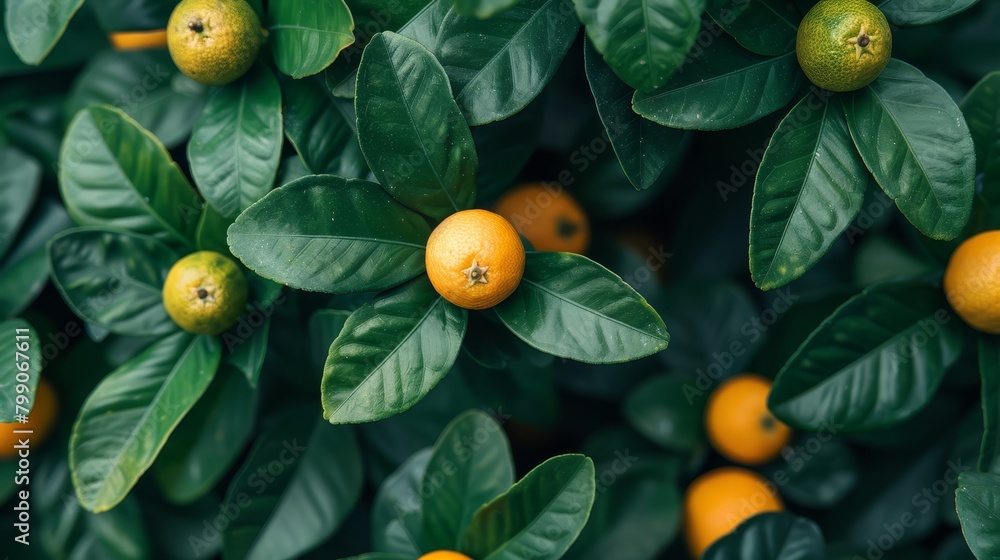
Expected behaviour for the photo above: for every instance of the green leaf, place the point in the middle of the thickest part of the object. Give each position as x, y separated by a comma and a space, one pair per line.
236, 143
212, 230
816, 479
208, 440
471, 464
497, 66
504, 148
766, 27
392, 351
81, 41
146, 86
113, 173
922, 12
873, 363
34, 26
539, 517
483, 9
981, 108
415, 139
397, 524
17, 385
246, 343
725, 87
307, 35
129, 416
978, 503
770, 536
24, 272
644, 148
914, 140
114, 279
572, 307
321, 131
133, 15
344, 235
19, 186
989, 371
634, 517
314, 479
669, 410
644, 41
809, 188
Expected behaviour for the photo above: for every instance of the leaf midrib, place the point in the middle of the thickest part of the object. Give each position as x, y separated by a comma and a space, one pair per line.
342, 238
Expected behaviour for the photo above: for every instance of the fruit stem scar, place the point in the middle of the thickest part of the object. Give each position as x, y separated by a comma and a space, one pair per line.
197, 26
767, 422
862, 41
476, 274
202, 293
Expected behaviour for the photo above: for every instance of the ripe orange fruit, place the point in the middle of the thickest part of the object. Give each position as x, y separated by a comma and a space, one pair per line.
444, 555
205, 292
40, 420
213, 41
843, 45
719, 500
739, 424
972, 281
474, 259
138, 40
551, 222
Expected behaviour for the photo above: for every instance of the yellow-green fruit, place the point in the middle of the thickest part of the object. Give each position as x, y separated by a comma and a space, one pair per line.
214, 41
205, 292
843, 45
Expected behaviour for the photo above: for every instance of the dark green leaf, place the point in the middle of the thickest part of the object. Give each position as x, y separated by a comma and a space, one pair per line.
914, 140
766, 27
132, 15
572, 307
504, 148
324, 327
314, 480
19, 182
344, 235
21, 360
978, 503
114, 279
320, 130
989, 371
722, 86
81, 41
114, 173
669, 410
129, 416
208, 440
483, 9
397, 518
815, 478
497, 66
236, 142
471, 464
307, 35
981, 108
636, 515
391, 352
922, 12
211, 232
34, 26
544, 511
414, 137
643, 41
809, 187
146, 86
897, 336
770, 536
25, 270
644, 148
246, 342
